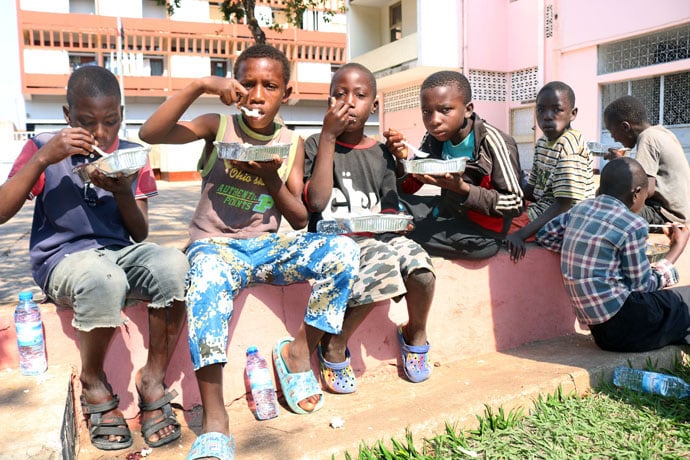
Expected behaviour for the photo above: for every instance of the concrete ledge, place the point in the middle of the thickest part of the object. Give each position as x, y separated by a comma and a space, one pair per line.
479, 307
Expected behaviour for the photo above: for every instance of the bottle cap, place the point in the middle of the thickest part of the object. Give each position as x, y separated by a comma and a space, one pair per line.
26, 295
252, 349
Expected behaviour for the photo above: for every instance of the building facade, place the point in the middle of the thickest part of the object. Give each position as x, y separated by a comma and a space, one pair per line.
509, 48
155, 54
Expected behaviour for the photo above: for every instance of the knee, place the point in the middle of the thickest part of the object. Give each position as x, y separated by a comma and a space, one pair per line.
171, 264
423, 277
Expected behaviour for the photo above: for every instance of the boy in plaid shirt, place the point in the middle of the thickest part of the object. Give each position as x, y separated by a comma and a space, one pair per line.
612, 286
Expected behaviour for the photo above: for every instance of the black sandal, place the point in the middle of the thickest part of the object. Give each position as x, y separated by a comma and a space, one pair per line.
152, 426
101, 428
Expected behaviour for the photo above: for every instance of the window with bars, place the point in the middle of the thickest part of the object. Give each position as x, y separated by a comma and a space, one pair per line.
664, 96
395, 21
656, 48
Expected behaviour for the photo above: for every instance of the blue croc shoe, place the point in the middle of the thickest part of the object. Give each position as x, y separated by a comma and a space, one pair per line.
337, 377
213, 444
415, 359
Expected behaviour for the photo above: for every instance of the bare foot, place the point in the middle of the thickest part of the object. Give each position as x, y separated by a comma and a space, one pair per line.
151, 390
95, 392
293, 365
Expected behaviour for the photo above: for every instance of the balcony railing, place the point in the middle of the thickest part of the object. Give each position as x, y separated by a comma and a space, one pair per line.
158, 41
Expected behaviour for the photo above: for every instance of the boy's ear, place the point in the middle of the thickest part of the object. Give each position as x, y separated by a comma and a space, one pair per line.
65, 113
573, 114
469, 109
287, 93
375, 105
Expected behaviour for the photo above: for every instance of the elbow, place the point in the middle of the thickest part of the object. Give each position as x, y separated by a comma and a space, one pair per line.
147, 136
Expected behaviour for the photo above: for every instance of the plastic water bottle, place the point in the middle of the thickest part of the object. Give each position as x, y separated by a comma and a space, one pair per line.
650, 382
30, 339
261, 382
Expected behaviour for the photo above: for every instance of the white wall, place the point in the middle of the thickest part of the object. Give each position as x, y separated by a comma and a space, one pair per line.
439, 37
11, 100
47, 6
363, 26
192, 10
189, 66
314, 72
55, 62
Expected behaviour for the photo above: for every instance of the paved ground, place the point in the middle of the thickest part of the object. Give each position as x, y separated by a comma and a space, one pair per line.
385, 405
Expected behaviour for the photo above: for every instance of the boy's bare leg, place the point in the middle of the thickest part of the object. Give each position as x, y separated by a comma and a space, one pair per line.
297, 357
333, 346
215, 417
420, 292
93, 346
164, 330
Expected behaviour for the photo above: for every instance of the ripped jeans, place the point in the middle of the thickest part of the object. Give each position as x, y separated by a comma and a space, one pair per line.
98, 283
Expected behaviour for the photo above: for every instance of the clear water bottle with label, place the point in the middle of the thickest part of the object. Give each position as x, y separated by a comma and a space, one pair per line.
30, 339
651, 382
261, 383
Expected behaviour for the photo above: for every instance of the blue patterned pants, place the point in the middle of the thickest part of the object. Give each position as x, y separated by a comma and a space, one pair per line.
220, 267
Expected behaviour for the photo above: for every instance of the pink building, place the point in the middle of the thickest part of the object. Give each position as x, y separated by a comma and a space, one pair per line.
509, 48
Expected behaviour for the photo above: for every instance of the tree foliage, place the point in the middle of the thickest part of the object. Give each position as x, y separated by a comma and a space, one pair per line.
243, 11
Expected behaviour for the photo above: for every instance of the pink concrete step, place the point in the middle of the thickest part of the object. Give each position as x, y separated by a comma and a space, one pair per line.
479, 307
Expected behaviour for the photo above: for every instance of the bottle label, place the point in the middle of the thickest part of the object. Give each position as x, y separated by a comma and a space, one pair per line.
29, 334
651, 383
260, 379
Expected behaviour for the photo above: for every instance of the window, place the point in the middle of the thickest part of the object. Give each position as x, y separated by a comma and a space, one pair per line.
78, 60
219, 68
395, 20
656, 48
664, 96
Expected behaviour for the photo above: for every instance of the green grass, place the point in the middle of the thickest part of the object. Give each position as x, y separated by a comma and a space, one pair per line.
606, 423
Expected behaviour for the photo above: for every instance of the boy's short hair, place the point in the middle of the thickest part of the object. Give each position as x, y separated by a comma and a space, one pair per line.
91, 81
562, 87
620, 176
626, 108
361, 68
263, 51
449, 78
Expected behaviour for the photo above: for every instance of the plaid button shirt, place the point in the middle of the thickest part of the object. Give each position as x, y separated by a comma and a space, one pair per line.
603, 257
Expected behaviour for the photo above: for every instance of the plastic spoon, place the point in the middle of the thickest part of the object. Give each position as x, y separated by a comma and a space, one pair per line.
415, 151
99, 151
251, 113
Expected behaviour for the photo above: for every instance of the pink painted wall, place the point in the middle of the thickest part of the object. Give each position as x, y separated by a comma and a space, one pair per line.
585, 22
487, 27
523, 32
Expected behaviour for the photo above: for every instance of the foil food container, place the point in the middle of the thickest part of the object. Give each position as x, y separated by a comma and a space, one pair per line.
657, 251
375, 223
248, 152
125, 161
435, 167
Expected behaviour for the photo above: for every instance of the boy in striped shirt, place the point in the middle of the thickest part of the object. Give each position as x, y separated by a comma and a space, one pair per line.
562, 171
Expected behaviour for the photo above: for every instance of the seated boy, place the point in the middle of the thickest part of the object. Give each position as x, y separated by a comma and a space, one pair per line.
87, 254
471, 215
660, 154
561, 174
349, 174
234, 239
611, 284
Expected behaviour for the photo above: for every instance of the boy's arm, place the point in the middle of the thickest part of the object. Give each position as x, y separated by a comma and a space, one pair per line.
550, 236
516, 240
320, 183
164, 127
504, 197
17, 188
288, 195
134, 213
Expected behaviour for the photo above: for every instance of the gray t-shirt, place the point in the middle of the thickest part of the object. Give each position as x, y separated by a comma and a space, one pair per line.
662, 157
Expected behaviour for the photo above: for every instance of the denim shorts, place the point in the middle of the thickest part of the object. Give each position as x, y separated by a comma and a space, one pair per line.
98, 283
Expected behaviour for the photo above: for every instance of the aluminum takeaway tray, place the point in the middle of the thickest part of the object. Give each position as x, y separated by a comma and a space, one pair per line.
125, 161
248, 152
375, 223
435, 167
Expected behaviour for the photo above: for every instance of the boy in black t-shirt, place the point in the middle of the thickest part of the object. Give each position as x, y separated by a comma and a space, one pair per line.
349, 174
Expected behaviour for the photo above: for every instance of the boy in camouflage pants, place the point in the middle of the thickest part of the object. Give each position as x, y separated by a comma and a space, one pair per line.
349, 174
